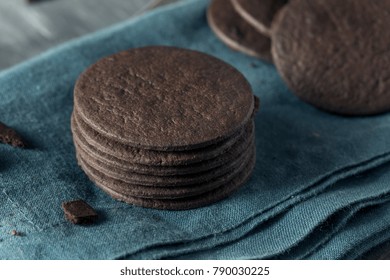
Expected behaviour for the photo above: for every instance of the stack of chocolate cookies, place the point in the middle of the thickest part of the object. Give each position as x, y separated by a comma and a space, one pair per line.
164, 127
245, 25
332, 54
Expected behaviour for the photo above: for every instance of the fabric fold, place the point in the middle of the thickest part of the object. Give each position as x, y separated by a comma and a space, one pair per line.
296, 233
365, 231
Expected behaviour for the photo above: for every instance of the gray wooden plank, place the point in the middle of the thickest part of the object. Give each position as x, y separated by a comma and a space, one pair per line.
28, 29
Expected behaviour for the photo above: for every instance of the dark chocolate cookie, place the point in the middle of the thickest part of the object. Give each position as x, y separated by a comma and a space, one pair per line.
154, 180
259, 13
105, 181
335, 54
235, 32
149, 157
112, 163
164, 98
164, 127
107, 185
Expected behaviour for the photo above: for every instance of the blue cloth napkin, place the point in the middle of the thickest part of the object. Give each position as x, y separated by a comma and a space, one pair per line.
318, 183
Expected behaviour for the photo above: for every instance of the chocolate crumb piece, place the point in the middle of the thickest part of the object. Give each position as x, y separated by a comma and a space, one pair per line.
10, 137
79, 212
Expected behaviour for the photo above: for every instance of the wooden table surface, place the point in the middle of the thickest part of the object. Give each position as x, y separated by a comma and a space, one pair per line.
29, 29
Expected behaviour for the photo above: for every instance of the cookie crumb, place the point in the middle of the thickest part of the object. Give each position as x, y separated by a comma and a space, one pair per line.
11, 137
15, 233
79, 212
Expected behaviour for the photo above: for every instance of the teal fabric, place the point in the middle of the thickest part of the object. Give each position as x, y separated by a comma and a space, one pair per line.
319, 189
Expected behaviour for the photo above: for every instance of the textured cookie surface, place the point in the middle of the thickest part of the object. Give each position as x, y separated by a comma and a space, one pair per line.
149, 157
259, 13
235, 32
335, 54
106, 184
164, 98
114, 164
105, 181
237, 156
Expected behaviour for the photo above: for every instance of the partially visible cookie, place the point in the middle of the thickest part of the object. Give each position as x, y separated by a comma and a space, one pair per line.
259, 13
149, 157
186, 167
235, 32
168, 192
170, 180
335, 54
109, 186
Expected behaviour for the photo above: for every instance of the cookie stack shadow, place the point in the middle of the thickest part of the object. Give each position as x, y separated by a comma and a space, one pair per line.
156, 170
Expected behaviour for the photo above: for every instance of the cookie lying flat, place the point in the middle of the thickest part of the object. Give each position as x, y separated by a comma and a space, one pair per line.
186, 202
335, 54
113, 162
151, 157
105, 181
235, 32
164, 98
171, 180
259, 13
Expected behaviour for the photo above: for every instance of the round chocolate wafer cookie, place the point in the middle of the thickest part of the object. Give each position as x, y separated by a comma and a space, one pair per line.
164, 98
168, 192
335, 54
172, 180
235, 32
259, 13
150, 157
111, 163
181, 203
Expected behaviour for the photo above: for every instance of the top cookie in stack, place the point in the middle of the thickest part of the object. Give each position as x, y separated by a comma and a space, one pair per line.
164, 127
